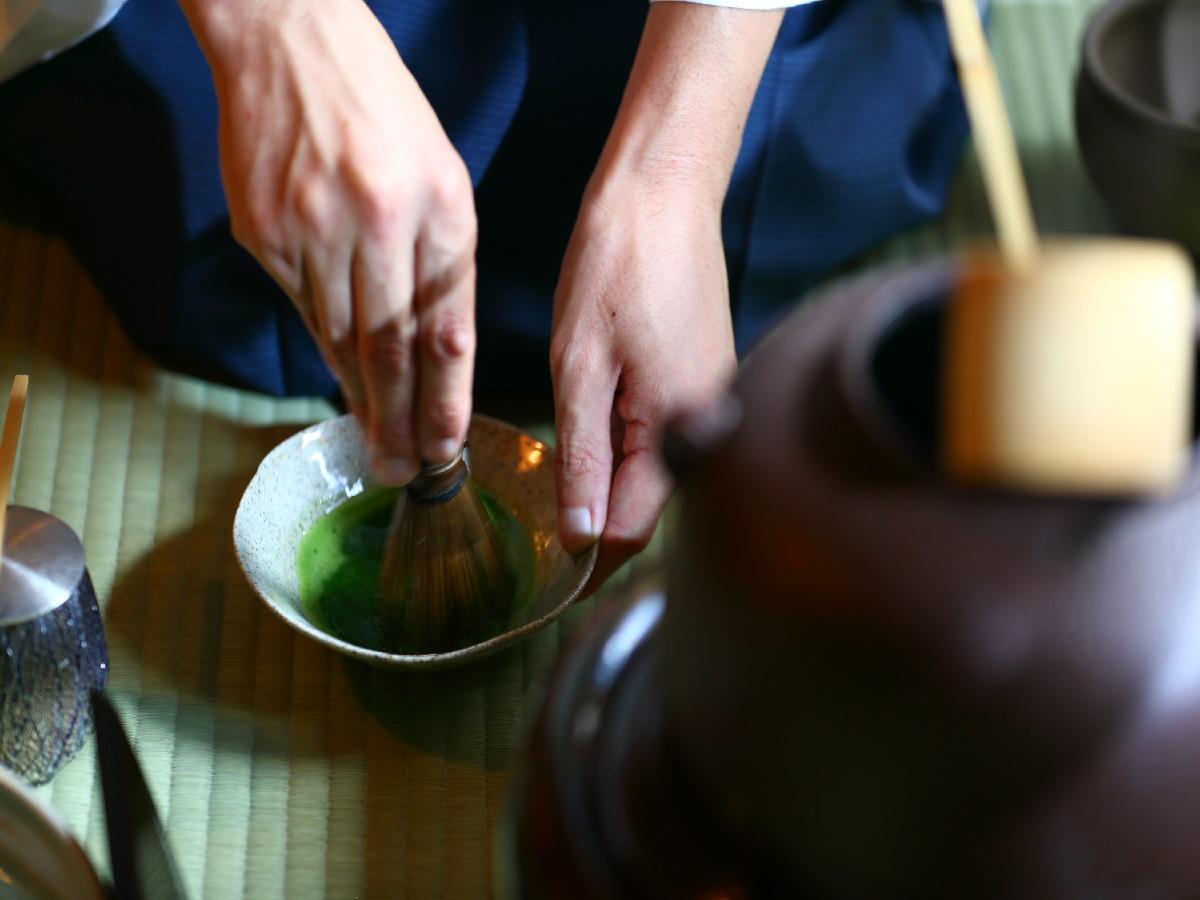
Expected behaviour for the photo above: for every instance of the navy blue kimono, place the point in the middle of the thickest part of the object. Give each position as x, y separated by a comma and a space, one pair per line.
854, 134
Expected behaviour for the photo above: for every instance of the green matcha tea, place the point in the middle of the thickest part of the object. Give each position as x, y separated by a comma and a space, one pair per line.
341, 555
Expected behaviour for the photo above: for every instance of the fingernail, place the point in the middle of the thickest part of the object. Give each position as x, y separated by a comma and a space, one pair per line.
577, 527
394, 471
444, 451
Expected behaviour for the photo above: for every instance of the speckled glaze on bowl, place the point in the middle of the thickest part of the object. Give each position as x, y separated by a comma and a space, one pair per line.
322, 466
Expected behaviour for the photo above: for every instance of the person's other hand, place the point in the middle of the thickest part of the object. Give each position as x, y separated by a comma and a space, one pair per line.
642, 326
344, 186
641, 331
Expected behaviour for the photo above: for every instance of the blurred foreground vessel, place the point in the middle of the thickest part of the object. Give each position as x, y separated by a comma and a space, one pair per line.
856, 680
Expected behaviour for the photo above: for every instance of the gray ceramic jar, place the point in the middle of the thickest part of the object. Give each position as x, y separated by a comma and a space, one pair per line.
1137, 114
885, 686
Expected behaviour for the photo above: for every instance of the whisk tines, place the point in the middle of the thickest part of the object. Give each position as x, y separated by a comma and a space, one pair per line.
444, 583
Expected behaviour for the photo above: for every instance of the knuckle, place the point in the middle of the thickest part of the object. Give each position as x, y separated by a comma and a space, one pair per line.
315, 209
386, 353
449, 339
337, 331
445, 418
463, 234
394, 436
379, 194
450, 190
561, 355
574, 365
342, 353
381, 197
574, 460
382, 210
454, 226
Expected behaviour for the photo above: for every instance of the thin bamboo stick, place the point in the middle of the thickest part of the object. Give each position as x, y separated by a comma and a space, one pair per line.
8, 445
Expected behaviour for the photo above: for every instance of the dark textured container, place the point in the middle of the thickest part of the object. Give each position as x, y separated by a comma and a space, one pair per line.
1137, 114
892, 687
50, 663
866, 682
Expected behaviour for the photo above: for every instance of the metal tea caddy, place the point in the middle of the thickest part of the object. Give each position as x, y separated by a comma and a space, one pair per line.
52, 648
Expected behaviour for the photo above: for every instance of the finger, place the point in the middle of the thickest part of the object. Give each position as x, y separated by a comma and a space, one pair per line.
583, 403
331, 321
640, 491
350, 384
446, 348
385, 332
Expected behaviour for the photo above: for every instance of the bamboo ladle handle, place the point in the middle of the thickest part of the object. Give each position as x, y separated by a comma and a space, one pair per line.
8, 445
1068, 366
1007, 194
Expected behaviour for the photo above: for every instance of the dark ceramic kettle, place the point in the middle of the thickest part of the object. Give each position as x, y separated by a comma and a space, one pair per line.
861, 682
880, 685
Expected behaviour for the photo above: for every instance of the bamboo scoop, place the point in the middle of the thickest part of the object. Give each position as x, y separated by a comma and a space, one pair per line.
8, 446
1067, 366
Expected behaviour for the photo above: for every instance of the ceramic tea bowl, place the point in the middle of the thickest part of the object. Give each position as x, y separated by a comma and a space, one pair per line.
321, 467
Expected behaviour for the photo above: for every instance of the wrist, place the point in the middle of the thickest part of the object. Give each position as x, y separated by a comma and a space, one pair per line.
663, 183
643, 157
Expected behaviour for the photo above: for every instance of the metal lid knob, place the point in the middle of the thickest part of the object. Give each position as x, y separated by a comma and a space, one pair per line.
41, 566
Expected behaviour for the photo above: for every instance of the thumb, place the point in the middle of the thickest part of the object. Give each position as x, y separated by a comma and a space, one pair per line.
583, 402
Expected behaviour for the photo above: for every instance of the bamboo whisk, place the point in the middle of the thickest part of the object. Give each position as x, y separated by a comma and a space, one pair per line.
444, 582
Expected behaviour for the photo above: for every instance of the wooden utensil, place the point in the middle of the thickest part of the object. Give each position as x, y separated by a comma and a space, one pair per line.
1068, 367
8, 445
994, 141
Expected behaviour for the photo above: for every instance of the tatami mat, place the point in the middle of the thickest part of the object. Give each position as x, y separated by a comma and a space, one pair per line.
280, 769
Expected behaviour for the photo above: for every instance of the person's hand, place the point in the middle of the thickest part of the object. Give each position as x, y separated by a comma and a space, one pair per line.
642, 326
641, 331
344, 186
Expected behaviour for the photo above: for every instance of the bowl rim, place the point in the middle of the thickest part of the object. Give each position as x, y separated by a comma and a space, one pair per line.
405, 660
39, 816
1108, 87
886, 301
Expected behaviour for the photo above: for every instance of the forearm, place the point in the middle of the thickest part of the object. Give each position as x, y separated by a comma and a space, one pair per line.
680, 123
229, 31
214, 22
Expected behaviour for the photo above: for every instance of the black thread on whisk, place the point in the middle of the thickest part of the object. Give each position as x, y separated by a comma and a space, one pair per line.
441, 497
433, 478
